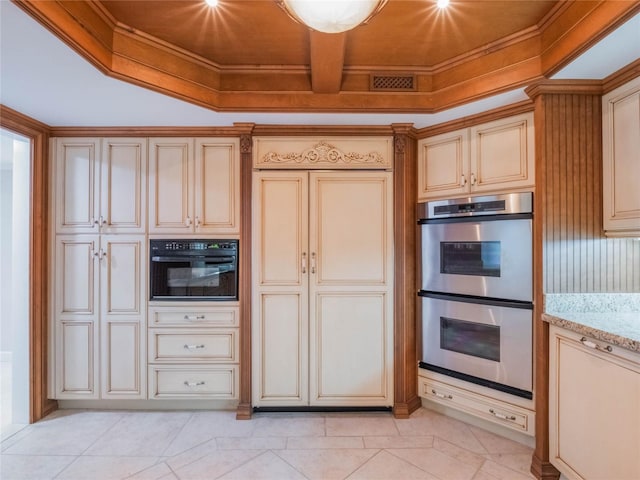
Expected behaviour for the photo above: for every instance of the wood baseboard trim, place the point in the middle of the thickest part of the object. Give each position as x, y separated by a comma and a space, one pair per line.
244, 411
543, 469
404, 410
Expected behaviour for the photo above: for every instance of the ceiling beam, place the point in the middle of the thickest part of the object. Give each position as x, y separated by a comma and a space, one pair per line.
327, 61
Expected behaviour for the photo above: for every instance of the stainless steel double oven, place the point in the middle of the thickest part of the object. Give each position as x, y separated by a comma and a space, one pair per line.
477, 290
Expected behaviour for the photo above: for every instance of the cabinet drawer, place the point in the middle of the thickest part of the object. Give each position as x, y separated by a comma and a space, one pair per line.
169, 345
193, 316
496, 411
193, 381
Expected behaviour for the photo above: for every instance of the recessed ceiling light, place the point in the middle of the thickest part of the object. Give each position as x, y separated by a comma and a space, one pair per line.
211, 3
443, 3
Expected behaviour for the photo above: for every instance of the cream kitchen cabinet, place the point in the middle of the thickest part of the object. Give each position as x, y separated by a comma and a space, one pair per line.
194, 185
193, 351
323, 289
594, 408
621, 160
99, 316
100, 185
494, 156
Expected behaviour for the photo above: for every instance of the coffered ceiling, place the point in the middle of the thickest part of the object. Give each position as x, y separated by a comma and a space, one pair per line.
248, 55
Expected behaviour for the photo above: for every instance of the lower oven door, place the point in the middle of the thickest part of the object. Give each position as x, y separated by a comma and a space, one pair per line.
481, 341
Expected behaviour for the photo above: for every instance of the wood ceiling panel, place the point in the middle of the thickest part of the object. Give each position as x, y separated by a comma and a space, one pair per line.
248, 55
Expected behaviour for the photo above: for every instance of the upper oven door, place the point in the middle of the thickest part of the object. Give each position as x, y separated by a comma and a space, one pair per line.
479, 256
193, 278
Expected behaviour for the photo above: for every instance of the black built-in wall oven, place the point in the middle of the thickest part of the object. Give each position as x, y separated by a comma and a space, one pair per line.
477, 290
187, 269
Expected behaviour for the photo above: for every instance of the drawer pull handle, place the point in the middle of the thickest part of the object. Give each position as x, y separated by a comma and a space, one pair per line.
193, 347
442, 395
595, 346
194, 317
502, 416
193, 384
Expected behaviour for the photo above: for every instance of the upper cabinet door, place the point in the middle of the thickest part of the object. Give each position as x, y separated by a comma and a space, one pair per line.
443, 165
123, 185
217, 185
77, 185
621, 160
496, 156
170, 185
502, 154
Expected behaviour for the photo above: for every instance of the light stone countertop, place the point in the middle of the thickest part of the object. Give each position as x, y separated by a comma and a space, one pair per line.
612, 318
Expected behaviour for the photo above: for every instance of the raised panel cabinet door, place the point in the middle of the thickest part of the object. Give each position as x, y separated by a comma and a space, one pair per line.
502, 154
122, 261
123, 368
594, 410
171, 185
217, 185
443, 165
351, 226
280, 269
351, 288
77, 184
621, 160
76, 359
123, 185
351, 352
76, 310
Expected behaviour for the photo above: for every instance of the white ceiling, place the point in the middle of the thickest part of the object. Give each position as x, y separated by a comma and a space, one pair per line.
43, 78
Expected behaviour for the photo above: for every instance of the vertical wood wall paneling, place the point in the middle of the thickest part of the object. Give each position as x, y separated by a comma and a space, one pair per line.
40, 405
244, 288
406, 398
578, 258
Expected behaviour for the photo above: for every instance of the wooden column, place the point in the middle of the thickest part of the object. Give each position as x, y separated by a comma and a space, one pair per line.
244, 266
406, 398
568, 134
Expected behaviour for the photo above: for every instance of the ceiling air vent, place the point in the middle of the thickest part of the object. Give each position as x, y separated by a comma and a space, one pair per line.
395, 83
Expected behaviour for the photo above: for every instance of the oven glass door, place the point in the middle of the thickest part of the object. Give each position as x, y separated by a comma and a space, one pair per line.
210, 278
480, 258
490, 342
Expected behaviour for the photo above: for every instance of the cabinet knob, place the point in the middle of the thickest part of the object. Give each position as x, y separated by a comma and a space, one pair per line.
313, 262
187, 222
304, 262
194, 317
193, 347
463, 180
197, 221
473, 179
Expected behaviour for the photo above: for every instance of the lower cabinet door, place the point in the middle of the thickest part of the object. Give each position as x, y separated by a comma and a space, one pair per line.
594, 408
122, 360
193, 381
77, 360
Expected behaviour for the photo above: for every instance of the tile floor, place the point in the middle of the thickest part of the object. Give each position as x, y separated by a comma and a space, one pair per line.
97, 445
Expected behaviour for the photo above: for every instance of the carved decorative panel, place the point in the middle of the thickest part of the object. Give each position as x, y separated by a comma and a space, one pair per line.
323, 152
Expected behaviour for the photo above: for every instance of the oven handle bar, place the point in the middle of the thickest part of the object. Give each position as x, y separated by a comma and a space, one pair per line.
498, 302
475, 218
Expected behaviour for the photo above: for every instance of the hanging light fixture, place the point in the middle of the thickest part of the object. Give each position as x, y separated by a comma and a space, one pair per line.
333, 16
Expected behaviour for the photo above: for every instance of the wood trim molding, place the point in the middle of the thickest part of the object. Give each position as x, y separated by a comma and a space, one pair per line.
233, 131
472, 120
40, 405
406, 399
622, 76
565, 87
